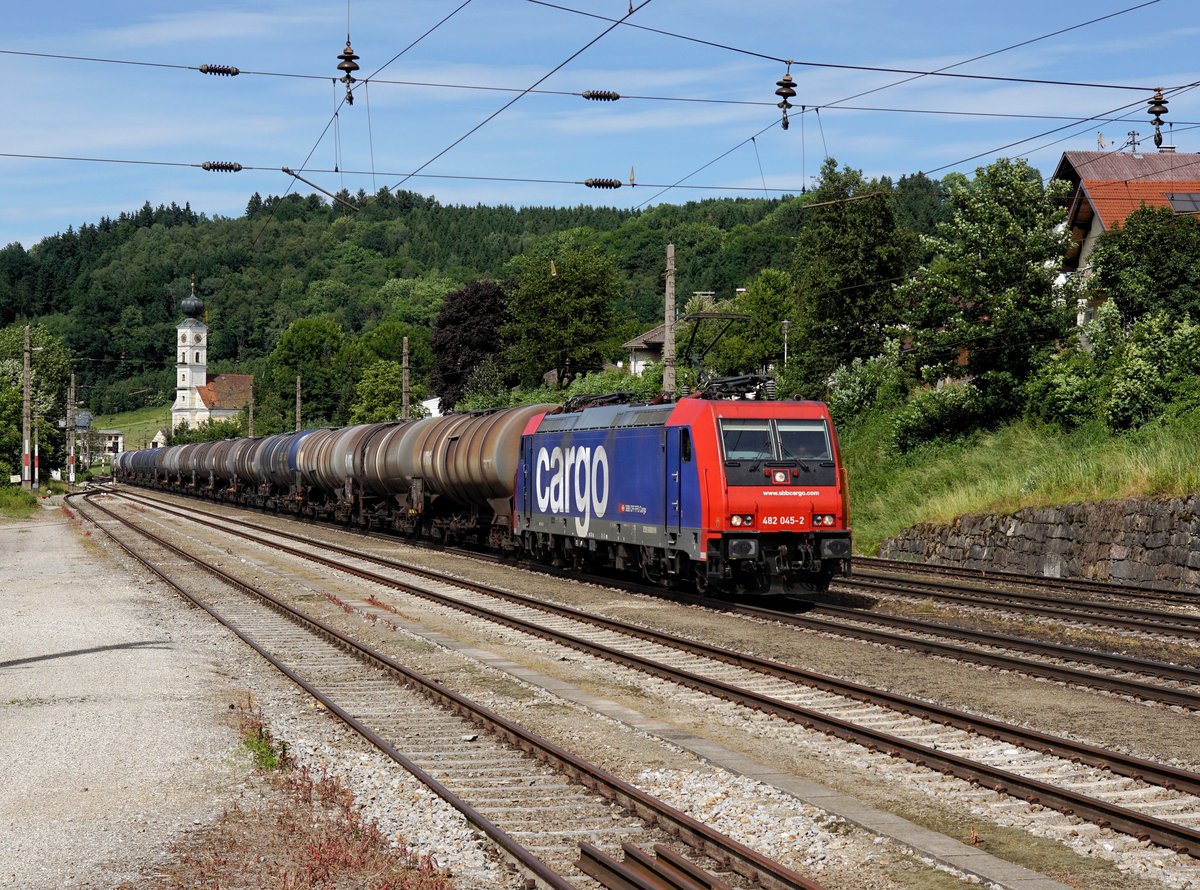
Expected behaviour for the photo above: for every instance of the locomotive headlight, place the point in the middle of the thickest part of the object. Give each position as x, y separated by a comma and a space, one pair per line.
781, 476
735, 520
823, 519
748, 519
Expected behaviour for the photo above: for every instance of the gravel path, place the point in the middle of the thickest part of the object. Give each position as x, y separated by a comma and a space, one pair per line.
112, 721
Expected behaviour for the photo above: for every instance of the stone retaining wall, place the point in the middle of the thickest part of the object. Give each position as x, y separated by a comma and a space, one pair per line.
1134, 541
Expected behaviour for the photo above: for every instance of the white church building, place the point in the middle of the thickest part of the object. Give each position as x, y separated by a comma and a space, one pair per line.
199, 398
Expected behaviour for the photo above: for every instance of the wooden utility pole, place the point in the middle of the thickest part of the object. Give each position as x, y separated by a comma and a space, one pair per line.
669, 327
71, 433
404, 412
26, 418
250, 419
297, 402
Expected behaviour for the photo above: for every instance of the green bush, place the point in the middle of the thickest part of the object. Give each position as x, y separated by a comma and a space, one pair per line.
1135, 395
938, 415
1065, 391
863, 386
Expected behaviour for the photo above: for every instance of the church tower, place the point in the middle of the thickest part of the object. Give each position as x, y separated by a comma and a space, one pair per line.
191, 367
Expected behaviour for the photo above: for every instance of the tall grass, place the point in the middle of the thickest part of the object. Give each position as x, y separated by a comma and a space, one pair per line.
1020, 465
16, 502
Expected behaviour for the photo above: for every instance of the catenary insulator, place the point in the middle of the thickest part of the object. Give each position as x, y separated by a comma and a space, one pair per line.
347, 65
602, 95
222, 70
786, 90
1158, 107
222, 166
602, 183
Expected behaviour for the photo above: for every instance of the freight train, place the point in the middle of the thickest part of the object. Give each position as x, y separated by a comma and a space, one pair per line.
713, 494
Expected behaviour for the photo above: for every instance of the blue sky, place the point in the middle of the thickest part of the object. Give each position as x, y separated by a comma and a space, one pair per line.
168, 116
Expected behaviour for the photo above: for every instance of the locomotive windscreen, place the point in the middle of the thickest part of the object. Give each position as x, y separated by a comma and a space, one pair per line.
803, 440
748, 440
750, 445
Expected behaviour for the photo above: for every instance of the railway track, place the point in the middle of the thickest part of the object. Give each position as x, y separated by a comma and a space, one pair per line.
1147, 800
1181, 625
536, 801
1023, 579
1121, 675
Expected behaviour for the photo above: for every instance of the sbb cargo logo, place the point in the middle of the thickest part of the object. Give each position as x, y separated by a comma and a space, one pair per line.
573, 480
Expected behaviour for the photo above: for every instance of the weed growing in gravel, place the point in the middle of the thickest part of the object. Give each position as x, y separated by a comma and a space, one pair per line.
295, 830
268, 754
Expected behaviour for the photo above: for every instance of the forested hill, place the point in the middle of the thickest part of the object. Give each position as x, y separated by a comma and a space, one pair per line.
110, 290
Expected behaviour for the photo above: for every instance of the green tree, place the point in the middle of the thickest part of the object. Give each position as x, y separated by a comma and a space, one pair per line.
850, 254
49, 376
560, 313
314, 349
415, 300
751, 346
466, 333
987, 304
379, 395
210, 431
1148, 263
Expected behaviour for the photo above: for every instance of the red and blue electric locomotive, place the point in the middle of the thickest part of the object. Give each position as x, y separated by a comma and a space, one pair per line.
725, 494
722, 494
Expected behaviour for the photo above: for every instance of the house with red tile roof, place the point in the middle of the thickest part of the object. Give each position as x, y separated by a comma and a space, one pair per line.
1111, 185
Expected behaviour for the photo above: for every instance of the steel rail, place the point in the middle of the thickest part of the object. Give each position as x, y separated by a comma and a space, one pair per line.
1104, 614
1004, 576
526, 861
730, 853
1134, 688
1160, 831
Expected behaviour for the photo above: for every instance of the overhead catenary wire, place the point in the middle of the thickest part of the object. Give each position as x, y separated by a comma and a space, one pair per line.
632, 10
940, 72
837, 104
786, 190
902, 81
1078, 122
761, 175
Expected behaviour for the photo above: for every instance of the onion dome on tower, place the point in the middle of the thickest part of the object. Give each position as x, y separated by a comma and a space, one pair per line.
192, 305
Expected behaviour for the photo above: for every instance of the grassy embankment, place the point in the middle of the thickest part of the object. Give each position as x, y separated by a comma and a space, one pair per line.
138, 426
1021, 465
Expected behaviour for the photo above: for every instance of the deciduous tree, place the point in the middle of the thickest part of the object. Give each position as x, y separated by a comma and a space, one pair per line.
1149, 262
560, 313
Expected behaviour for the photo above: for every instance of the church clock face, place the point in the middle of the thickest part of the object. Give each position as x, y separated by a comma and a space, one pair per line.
183, 337
197, 338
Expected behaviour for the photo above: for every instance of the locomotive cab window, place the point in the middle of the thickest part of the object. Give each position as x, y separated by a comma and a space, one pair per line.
747, 440
801, 444
804, 440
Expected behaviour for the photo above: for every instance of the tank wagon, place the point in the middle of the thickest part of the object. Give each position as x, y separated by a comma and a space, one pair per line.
722, 495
